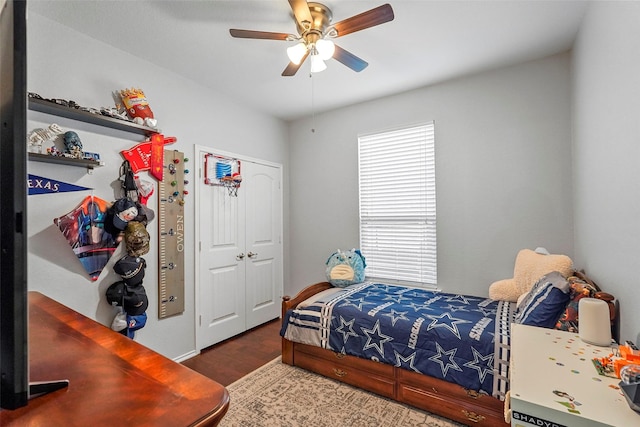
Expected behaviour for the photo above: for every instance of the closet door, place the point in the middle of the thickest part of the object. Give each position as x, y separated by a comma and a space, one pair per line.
263, 242
240, 264
221, 278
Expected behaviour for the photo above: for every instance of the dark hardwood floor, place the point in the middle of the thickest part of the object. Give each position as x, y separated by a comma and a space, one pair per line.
232, 359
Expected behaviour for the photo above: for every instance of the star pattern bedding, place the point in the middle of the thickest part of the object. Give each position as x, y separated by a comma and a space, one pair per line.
459, 338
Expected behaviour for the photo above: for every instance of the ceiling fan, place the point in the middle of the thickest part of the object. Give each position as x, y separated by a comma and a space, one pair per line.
313, 21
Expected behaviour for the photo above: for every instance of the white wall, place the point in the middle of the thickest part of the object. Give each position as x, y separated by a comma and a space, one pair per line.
503, 172
606, 105
65, 64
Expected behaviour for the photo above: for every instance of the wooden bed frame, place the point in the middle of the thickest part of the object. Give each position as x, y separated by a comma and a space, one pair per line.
430, 394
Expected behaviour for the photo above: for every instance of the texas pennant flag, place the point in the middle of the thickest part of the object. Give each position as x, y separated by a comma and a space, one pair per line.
40, 185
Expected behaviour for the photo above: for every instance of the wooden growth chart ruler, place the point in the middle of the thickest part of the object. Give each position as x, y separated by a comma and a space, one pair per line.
171, 194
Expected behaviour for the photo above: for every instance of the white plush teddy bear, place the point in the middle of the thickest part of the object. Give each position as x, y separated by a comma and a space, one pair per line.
529, 267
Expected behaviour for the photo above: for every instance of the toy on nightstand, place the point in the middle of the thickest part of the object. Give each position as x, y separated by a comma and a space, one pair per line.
630, 385
612, 365
629, 354
604, 366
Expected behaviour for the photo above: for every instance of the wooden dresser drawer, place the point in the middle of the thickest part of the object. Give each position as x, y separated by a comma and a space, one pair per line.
429, 394
447, 389
456, 402
379, 384
375, 368
466, 412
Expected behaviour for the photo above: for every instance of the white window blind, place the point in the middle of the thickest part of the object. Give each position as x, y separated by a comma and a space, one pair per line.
398, 205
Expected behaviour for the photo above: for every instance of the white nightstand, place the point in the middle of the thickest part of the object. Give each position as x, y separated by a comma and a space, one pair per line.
554, 383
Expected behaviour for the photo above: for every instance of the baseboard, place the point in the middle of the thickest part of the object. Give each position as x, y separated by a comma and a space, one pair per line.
186, 356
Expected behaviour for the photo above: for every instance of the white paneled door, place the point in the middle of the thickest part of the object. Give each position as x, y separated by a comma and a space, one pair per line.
240, 253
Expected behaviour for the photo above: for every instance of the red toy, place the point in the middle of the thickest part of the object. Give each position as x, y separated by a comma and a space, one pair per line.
137, 107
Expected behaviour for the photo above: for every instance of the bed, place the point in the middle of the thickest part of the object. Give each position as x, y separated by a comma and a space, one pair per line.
411, 345
451, 353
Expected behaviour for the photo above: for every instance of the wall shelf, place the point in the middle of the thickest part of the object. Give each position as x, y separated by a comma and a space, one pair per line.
87, 117
67, 161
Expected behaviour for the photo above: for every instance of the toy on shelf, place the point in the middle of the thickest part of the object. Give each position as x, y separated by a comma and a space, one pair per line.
70, 139
38, 136
72, 145
137, 106
118, 111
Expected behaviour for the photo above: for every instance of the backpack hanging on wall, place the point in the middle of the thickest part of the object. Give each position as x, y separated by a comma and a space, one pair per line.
128, 181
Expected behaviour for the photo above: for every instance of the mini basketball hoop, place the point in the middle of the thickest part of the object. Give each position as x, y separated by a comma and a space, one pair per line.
223, 172
231, 186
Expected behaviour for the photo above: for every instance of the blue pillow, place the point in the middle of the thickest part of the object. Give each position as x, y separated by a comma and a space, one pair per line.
545, 303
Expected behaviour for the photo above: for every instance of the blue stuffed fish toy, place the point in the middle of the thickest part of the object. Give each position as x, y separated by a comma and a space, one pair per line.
345, 268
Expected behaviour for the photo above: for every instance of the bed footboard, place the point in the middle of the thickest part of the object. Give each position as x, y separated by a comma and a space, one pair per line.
288, 303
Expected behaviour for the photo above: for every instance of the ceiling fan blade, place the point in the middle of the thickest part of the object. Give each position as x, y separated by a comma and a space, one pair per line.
370, 18
301, 11
292, 68
250, 34
349, 59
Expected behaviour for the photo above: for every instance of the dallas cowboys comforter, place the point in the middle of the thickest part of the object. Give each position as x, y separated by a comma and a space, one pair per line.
458, 338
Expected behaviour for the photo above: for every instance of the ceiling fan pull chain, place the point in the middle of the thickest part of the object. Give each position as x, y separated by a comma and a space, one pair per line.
313, 109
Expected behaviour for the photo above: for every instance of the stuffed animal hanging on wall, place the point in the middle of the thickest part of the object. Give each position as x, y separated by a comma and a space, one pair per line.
345, 268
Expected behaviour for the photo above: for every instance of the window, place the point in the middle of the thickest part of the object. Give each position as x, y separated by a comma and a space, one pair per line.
398, 205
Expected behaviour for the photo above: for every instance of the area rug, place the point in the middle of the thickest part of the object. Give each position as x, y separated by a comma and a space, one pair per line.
279, 395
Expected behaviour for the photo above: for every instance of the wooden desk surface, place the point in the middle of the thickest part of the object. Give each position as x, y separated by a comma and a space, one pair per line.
112, 380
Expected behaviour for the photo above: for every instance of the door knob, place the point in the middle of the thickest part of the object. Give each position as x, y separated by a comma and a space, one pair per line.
240, 256
252, 255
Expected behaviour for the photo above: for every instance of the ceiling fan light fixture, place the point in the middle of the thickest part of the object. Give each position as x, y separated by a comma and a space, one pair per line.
314, 27
317, 64
297, 52
325, 48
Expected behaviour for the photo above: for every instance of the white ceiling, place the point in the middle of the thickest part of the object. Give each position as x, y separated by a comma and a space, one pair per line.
427, 42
